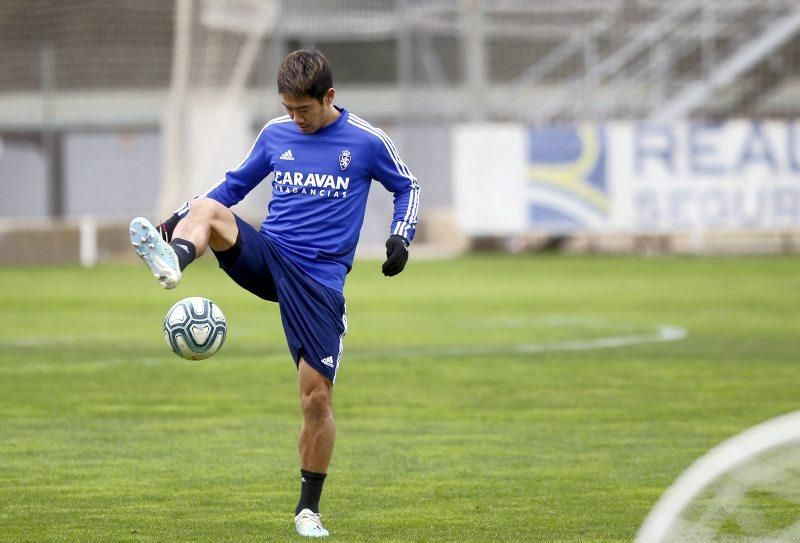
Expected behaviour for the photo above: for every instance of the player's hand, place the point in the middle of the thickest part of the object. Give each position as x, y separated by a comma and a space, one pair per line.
167, 227
396, 255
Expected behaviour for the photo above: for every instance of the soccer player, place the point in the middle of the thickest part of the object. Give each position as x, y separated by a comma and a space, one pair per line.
323, 159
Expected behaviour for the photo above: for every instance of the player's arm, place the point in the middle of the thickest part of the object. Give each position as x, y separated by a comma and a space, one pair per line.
232, 188
393, 174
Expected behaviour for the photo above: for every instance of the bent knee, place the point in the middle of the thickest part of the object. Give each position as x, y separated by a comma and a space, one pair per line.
206, 206
316, 403
220, 221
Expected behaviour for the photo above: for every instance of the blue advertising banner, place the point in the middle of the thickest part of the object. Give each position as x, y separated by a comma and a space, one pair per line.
738, 175
567, 180
627, 177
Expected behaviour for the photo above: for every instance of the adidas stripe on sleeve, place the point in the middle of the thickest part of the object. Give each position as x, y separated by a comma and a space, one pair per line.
393, 174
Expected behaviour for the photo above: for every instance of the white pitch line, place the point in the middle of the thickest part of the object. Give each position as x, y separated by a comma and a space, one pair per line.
661, 334
723, 458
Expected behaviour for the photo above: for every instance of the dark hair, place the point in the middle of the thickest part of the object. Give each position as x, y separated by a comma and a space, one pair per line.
305, 73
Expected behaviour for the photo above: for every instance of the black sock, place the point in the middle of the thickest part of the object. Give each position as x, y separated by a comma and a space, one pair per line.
185, 250
310, 491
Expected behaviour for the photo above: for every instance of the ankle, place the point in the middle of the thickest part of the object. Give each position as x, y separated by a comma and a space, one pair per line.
185, 250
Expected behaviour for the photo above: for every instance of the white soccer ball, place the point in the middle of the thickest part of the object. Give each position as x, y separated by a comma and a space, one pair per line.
195, 328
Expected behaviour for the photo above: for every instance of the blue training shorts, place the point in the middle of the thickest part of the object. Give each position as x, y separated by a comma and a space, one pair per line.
313, 315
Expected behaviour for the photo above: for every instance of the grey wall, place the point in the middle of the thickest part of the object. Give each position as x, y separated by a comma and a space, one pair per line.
105, 174
23, 180
111, 175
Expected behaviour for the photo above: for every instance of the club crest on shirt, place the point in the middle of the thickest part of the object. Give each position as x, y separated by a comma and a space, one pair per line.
344, 159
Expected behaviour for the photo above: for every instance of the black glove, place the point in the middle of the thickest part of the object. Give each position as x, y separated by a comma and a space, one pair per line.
396, 255
167, 227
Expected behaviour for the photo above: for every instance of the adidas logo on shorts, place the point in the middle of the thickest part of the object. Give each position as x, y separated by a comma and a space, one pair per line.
287, 155
328, 361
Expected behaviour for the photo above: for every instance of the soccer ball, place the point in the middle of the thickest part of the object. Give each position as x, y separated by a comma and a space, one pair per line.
195, 328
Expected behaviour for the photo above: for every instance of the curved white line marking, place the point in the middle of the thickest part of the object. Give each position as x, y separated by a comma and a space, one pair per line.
719, 460
661, 333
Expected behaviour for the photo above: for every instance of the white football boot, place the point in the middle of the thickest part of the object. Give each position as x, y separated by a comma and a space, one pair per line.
156, 253
308, 524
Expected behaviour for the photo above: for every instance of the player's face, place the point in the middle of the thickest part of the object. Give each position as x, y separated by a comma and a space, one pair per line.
308, 113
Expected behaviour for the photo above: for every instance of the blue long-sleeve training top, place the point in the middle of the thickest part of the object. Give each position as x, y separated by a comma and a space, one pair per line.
319, 190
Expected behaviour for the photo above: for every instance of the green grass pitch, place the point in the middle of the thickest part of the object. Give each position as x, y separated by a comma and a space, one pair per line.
472, 403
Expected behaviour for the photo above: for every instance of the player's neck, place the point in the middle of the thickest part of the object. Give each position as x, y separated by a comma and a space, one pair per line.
331, 116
